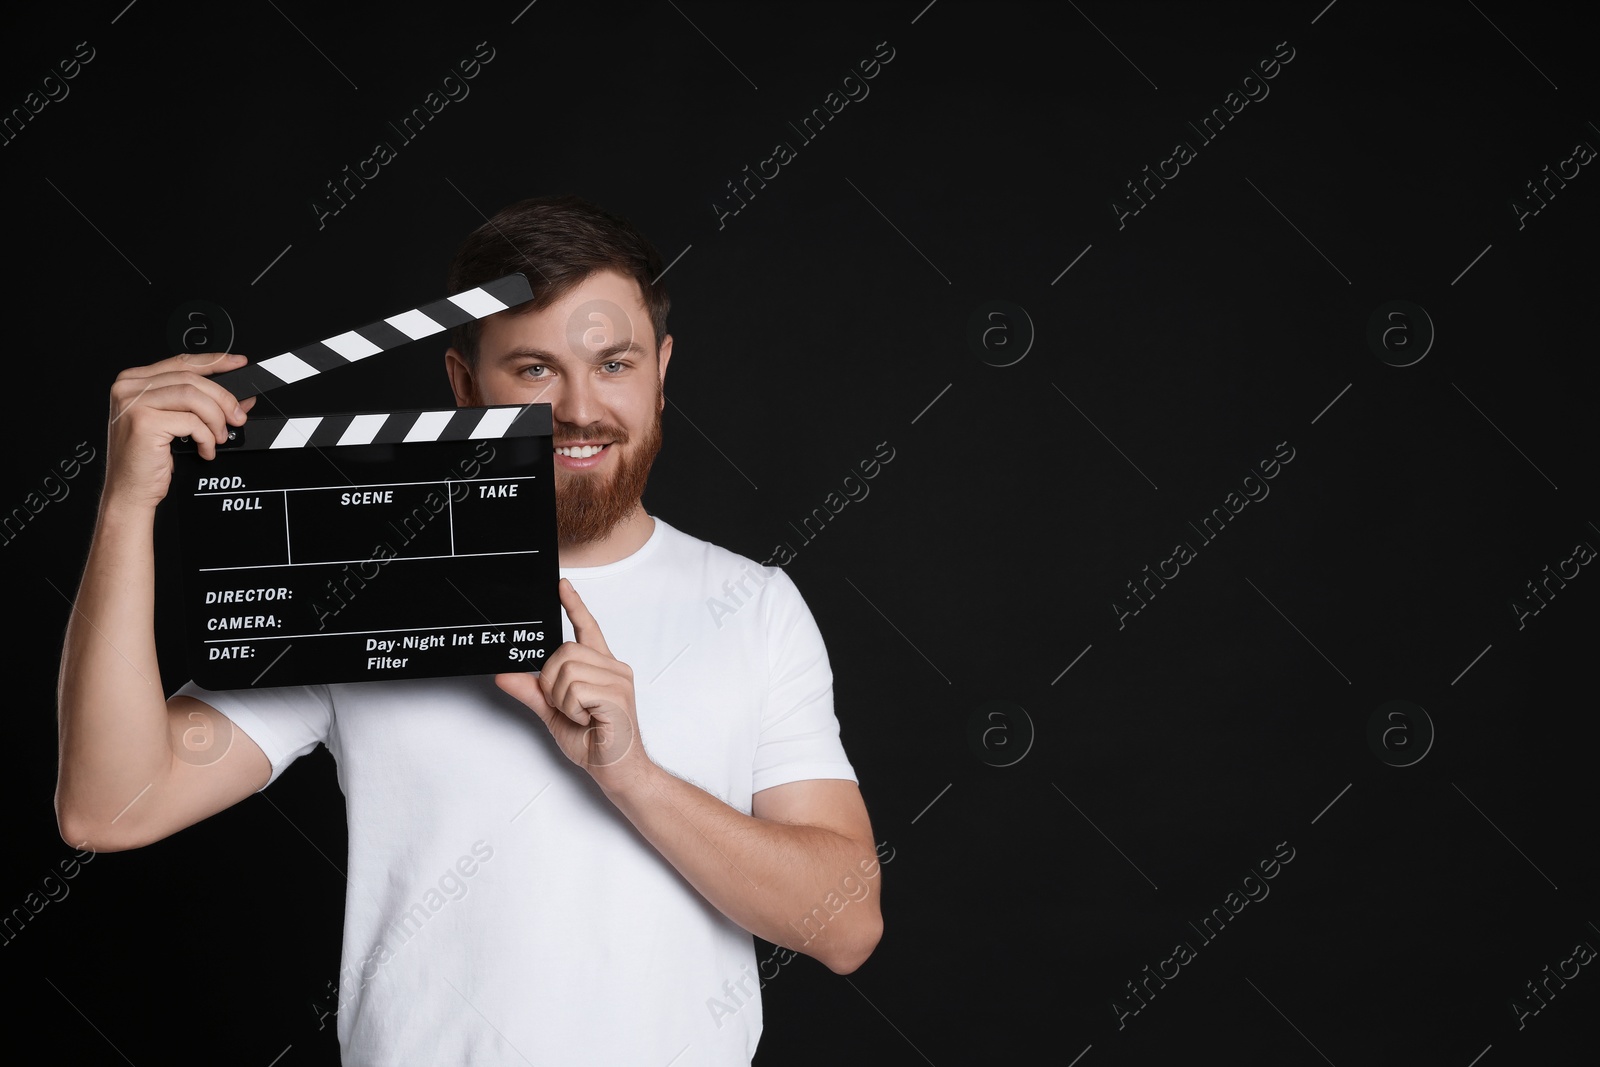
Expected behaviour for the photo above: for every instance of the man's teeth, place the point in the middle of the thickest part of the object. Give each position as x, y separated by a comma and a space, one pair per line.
582, 452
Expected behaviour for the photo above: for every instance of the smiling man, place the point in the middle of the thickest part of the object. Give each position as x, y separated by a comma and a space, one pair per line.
556, 868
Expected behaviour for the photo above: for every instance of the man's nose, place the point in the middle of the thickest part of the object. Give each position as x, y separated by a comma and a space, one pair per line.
576, 402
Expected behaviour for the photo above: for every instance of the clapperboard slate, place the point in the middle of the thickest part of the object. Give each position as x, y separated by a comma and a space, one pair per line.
370, 546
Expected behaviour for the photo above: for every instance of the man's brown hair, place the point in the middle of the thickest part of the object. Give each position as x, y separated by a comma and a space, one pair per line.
556, 242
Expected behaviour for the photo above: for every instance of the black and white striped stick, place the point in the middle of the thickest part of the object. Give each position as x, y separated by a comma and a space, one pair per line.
392, 332
392, 428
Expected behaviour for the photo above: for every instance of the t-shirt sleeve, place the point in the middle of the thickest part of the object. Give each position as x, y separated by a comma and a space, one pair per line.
799, 731
285, 722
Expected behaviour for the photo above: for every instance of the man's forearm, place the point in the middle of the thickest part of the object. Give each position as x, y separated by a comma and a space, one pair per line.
113, 722
803, 887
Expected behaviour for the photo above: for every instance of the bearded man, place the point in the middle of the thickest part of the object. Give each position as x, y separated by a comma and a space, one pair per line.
561, 867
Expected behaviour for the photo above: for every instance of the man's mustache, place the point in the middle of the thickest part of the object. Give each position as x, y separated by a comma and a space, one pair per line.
565, 432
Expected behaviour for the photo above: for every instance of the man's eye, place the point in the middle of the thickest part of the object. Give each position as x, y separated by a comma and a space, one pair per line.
530, 370
613, 366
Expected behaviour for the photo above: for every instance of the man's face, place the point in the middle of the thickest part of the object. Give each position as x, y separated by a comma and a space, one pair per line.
591, 356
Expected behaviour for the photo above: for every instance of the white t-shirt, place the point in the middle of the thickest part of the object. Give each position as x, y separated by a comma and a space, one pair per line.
500, 910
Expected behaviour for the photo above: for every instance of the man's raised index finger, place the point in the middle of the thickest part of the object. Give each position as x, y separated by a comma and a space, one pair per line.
584, 629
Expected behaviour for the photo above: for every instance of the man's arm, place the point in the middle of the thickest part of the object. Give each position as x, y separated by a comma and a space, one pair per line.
800, 871
120, 783
804, 853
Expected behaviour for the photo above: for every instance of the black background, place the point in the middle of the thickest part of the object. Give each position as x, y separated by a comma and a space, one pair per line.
832, 314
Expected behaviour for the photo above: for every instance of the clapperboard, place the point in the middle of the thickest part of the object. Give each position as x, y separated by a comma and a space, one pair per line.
370, 546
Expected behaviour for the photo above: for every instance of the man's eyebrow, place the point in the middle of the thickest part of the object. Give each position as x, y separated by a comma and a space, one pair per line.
603, 355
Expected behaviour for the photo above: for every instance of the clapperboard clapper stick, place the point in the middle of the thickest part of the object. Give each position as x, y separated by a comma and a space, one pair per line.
343, 349
370, 546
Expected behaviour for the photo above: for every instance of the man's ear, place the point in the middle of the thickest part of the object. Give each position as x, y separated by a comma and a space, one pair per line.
663, 354
462, 381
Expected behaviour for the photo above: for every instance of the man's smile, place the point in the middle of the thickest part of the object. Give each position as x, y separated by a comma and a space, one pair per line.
581, 457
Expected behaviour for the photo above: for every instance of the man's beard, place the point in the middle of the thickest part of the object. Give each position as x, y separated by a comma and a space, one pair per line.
589, 508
